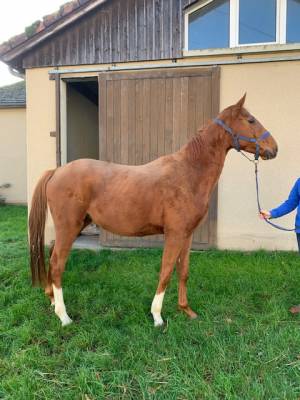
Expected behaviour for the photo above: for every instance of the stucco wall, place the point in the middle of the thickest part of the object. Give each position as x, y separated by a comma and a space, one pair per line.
13, 154
272, 96
40, 121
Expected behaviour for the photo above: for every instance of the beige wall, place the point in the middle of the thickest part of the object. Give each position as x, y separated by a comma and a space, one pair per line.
272, 96
82, 127
13, 154
40, 121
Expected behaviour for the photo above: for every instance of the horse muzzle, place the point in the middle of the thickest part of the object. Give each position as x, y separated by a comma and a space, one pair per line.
269, 154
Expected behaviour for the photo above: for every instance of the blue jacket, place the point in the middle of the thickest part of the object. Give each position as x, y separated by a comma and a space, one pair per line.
289, 205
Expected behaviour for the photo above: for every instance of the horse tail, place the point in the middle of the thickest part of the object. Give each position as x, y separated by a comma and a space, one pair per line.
37, 221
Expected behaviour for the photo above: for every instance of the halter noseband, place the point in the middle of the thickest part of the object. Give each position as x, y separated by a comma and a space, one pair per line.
236, 138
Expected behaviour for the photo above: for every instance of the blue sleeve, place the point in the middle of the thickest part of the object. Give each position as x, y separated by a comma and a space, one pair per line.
290, 204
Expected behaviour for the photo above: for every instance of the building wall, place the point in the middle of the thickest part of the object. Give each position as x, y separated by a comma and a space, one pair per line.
13, 154
40, 121
271, 97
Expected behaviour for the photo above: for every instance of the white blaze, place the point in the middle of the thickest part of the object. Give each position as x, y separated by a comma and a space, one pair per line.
156, 308
60, 308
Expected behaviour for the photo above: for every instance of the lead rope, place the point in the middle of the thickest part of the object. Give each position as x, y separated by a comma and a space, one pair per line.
258, 201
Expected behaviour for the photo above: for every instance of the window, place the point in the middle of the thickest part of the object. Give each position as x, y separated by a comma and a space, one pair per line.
257, 21
293, 21
209, 26
212, 24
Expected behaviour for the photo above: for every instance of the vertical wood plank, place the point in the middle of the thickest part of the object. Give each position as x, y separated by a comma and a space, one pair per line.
102, 119
131, 122
141, 23
132, 30
153, 119
124, 122
193, 84
117, 121
157, 29
176, 113
184, 111
161, 102
150, 28
110, 121
146, 120
139, 92
169, 116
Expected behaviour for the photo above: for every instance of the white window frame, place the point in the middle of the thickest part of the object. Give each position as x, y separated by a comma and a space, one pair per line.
281, 25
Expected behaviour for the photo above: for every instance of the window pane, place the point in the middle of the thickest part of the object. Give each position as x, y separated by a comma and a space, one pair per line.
293, 21
257, 21
209, 26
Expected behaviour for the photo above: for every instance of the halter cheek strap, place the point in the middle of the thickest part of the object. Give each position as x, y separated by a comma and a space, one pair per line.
236, 138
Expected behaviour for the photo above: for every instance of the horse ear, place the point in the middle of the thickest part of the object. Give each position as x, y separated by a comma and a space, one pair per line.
239, 105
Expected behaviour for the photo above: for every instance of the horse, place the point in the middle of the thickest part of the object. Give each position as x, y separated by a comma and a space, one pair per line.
169, 196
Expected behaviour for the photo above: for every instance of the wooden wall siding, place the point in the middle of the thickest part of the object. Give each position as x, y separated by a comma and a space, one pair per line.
145, 115
120, 31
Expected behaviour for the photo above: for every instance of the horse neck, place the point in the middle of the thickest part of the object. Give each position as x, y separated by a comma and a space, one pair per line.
207, 150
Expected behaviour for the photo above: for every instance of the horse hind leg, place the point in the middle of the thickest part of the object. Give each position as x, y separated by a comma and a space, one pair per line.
57, 266
66, 233
49, 287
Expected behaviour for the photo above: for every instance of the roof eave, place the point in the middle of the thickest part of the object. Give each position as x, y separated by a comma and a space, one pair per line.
17, 51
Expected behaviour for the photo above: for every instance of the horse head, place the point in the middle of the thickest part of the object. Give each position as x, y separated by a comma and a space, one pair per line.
246, 132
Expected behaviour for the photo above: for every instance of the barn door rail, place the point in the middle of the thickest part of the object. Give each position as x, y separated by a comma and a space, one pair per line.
173, 64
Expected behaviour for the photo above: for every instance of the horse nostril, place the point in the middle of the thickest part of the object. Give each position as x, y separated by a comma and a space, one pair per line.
269, 154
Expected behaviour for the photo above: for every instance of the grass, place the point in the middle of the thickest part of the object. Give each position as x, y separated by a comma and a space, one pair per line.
245, 345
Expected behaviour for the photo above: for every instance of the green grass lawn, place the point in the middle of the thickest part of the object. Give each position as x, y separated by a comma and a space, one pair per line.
245, 345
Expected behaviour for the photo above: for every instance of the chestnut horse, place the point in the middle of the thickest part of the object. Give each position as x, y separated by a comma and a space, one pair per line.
167, 196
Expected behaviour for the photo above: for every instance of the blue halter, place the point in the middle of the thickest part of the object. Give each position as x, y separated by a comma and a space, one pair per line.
236, 138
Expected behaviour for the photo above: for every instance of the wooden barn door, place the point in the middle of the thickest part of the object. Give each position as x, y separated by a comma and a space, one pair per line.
144, 115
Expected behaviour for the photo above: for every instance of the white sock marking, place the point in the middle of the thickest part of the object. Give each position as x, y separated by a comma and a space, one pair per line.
156, 309
60, 308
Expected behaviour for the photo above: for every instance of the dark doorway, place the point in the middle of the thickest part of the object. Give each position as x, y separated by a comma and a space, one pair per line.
82, 119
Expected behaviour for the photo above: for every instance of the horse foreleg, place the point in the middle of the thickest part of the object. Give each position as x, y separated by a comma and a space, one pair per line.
182, 267
172, 249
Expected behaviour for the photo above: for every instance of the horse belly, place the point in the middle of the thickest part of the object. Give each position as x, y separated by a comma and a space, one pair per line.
135, 220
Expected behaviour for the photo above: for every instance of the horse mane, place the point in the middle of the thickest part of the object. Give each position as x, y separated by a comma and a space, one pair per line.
197, 144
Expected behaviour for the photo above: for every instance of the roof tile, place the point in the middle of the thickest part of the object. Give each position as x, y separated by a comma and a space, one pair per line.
51, 18
13, 95
39, 26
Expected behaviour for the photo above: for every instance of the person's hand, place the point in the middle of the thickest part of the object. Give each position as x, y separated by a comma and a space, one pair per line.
265, 214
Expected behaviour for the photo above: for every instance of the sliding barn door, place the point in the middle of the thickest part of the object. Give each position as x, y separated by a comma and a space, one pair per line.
144, 115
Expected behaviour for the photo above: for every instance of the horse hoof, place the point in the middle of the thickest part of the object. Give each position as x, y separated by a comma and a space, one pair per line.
189, 312
158, 323
66, 322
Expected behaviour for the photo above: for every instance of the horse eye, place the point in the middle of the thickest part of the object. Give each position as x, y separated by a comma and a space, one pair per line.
251, 120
